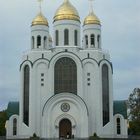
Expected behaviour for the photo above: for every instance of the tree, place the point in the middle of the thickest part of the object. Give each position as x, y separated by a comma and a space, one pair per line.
2, 123
134, 111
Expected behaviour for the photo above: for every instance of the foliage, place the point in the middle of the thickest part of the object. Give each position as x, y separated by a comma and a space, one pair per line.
2, 123
135, 127
34, 137
134, 111
95, 137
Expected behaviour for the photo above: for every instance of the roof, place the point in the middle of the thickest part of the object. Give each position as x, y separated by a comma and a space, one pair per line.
13, 108
120, 107
40, 20
66, 12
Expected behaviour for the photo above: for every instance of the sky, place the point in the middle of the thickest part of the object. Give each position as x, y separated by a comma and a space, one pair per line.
120, 37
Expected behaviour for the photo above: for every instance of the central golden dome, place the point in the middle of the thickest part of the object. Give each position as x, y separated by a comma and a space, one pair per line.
66, 12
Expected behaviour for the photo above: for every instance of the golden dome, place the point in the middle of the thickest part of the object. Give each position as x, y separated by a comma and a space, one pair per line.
92, 19
40, 20
66, 12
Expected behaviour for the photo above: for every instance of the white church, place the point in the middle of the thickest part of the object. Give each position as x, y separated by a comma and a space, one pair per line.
66, 82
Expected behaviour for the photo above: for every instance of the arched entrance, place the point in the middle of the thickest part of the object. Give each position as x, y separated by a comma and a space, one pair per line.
65, 128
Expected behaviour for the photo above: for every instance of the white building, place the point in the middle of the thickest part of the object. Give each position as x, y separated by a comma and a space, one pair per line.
66, 83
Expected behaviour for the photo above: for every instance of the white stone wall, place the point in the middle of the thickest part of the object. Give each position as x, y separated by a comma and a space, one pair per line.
89, 30
9, 127
42, 31
90, 94
86, 107
123, 126
71, 26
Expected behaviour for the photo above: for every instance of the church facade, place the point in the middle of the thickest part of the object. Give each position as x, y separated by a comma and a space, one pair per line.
66, 83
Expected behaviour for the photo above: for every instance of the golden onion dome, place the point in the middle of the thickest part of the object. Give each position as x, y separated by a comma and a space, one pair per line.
92, 19
66, 12
40, 20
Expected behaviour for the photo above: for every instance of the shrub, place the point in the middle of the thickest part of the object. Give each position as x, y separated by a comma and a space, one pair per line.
34, 137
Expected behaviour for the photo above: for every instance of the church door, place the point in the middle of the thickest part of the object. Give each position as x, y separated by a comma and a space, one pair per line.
65, 128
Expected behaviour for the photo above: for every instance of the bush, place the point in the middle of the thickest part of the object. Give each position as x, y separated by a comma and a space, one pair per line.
34, 137
95, 137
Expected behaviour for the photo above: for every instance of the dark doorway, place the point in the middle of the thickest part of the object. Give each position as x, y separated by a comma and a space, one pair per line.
65, 129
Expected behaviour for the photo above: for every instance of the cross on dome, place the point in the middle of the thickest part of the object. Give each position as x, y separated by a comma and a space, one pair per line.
66, 0
40, 6
91, 5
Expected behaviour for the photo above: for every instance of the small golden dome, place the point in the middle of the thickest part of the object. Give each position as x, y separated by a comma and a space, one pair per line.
40, 20
92, 19
66, 12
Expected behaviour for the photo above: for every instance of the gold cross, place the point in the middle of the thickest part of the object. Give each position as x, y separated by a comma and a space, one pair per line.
91, 5
65, 1
40, 2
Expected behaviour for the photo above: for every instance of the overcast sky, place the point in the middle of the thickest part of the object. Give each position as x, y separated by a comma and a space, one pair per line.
120, 36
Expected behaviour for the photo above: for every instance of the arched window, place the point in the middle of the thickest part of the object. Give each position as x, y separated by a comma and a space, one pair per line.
92, 39
118, 126
105, 94
45, 41
33, 42
14, 126
86, 41
65, 76
75, 38
98, 40
57, 38
26, 95
38, 41
66, 37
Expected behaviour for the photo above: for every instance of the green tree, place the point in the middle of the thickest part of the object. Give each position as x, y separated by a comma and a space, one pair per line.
2, 123
134, 111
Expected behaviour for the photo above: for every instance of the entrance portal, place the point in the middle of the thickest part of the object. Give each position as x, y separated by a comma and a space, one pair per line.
65, 128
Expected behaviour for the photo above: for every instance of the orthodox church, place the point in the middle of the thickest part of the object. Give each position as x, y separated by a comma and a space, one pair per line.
66, 82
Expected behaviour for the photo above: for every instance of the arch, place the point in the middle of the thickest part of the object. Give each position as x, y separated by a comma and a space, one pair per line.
40, 60
26, 62
86, 41
64, 53
33, 42
76, 38
53, 107
65, 128
62, 96
26, 89
119, 123
66, 37
67, 116
105, 94
45, 42
57, 38
38, 41
105, 61
65, 76
99, 41
92, 40
14, 127
118, 126
85, 60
